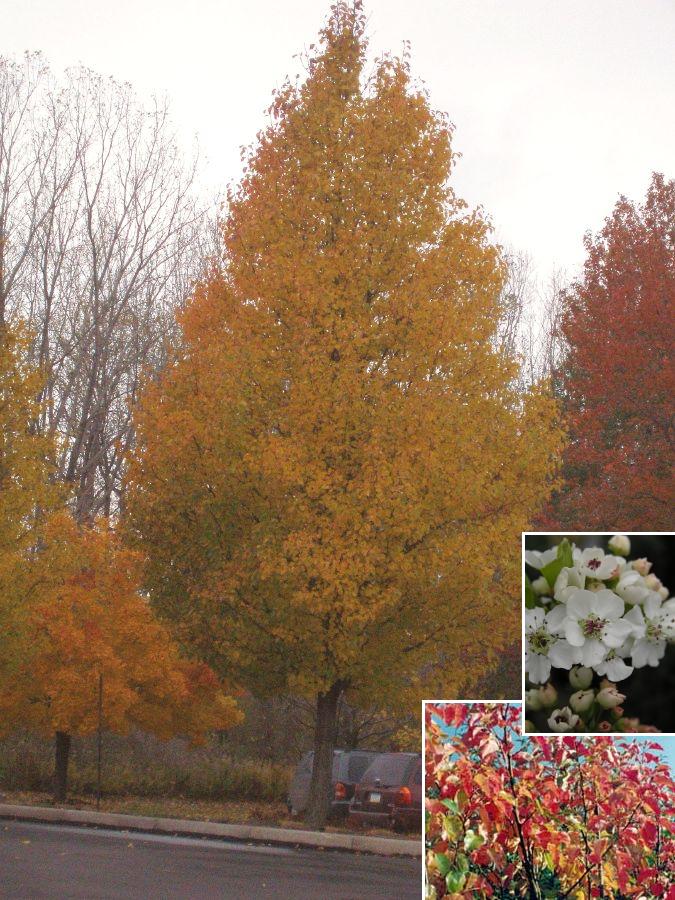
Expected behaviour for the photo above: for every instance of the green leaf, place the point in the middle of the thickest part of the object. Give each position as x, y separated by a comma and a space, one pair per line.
562, 561
462, 863
451, 805
453, 826
472, 841
530, 596
443, 863
454, 881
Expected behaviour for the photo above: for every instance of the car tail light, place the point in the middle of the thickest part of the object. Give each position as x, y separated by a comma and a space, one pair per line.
404, 797
340, 791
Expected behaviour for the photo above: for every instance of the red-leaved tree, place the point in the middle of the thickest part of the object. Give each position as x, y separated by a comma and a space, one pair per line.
617, 374
513, 816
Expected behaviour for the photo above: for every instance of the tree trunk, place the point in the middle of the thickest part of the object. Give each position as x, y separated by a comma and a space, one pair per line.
62, 745
318, 804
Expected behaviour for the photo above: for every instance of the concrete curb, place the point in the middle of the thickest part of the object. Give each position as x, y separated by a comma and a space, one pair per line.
268, 835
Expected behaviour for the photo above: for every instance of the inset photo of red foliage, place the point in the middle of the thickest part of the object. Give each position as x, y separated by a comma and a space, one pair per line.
513, 815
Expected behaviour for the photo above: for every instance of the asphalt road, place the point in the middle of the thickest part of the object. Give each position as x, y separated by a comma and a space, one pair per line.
60, 861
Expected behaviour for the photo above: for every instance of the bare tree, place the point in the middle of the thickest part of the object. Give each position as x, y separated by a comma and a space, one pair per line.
517, 297
551, 340
531, 317
31, 180
105, 236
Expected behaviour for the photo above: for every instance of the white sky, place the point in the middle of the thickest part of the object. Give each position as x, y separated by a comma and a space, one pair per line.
559, 105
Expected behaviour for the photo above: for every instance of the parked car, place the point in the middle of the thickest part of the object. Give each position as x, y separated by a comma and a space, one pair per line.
348, 768
406, 813
390, 793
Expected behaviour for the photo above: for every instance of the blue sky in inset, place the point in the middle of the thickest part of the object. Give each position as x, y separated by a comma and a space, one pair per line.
667, 743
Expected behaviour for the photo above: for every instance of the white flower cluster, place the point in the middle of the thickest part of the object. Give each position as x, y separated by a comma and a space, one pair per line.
602, 612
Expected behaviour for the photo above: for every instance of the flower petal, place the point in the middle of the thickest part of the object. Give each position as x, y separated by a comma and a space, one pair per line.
579, 605
534, 619
615, 633
607, 605
563, 655
555, 619
592, 653
573, 633
538, 668
616, 669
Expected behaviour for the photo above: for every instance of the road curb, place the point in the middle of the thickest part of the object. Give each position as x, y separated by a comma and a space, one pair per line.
258, 833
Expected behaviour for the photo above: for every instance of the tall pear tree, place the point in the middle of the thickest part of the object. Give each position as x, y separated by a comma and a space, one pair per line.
333, 472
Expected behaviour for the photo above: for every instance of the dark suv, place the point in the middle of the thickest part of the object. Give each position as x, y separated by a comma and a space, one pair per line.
390, 792
348, 768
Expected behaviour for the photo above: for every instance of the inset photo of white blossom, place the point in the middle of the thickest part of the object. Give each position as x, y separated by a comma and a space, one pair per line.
599, 632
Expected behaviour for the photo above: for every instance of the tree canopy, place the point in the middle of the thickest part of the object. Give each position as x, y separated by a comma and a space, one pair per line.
616, 377
334, 469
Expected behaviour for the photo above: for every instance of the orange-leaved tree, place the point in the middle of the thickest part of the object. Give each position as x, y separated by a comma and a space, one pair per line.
26, 493
617, 381
333, 472
89, 637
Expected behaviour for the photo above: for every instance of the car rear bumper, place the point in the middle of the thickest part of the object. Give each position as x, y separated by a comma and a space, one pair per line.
407, 819
339, 809
370, 817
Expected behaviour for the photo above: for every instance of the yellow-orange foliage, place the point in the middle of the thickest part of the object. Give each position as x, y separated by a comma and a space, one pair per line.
25, 490
86, 618
333, 473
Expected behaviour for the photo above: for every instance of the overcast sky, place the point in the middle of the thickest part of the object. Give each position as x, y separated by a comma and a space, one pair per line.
559, 106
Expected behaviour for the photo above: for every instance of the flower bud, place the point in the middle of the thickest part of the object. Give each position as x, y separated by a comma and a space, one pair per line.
609, 697
619, 544
652, 582
529, 726
604, 726
540, 586
548, 694
581, 677
641, 565
663, 592
532, 699
582, 701
562, 719
617, 712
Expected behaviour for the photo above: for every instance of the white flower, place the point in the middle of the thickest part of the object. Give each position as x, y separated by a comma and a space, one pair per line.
540, 558
631, 587
620, 544
562, 719
641, 565
594, 564
652, 582
663, 592
568, 580
609, 697
613, 665
594, 624
542, 631
654, 624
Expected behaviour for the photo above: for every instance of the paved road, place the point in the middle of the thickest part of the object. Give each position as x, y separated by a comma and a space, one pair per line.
54, 861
